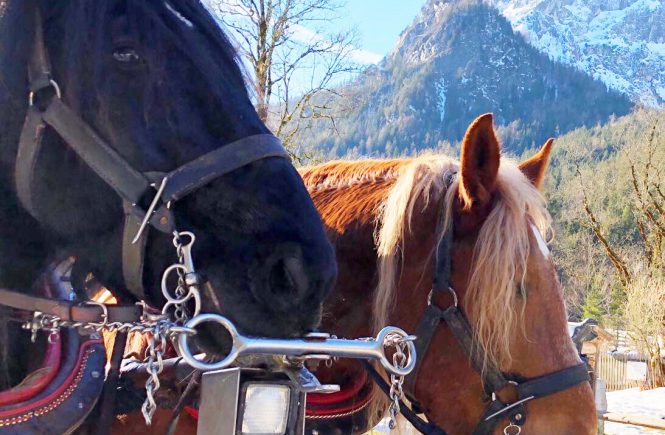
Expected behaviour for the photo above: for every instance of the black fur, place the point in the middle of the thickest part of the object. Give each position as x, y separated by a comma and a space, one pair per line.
184, 97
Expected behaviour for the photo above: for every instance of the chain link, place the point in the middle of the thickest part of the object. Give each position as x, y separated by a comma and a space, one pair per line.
179, 313
400, 360
155, 366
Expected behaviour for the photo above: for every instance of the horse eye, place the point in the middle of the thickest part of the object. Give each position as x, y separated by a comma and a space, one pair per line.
126, 55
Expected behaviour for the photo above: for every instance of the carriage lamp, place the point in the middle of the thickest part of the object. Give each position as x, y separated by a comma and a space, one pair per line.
266, 409
250, 402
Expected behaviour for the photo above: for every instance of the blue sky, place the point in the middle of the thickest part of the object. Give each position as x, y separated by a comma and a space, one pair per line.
378, 24
380, 21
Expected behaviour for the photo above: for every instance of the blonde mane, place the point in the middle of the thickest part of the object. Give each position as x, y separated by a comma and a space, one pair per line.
500, 255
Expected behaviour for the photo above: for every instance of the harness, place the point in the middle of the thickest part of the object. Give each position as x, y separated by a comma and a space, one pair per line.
46, 109
67, 385
493, 379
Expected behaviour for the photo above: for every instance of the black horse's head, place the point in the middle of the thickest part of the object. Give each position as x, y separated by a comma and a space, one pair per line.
159, 81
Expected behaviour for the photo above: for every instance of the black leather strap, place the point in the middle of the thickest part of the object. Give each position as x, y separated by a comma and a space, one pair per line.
531, 389
106, 403
225, 159
133, 254
433, 315
427, 327
555, 382
442, 260
39, 67
30, 144
110, 166
493, 379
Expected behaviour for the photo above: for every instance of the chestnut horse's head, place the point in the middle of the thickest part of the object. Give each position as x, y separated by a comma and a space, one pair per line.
502, 272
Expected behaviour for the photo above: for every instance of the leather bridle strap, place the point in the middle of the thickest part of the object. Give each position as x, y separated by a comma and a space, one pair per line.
70, 311
432, 317
133, 186
531, 389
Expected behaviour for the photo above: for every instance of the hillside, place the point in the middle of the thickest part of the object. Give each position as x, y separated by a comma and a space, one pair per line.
603, 155
459, 59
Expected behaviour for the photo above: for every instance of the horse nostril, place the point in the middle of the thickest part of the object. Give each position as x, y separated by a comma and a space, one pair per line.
288, 276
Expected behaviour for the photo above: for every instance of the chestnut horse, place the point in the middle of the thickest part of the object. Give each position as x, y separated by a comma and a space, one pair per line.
384, 218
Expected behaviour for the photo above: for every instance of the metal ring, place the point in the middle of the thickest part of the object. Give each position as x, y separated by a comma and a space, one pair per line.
411, 361
450, 290
507, 429
54, 85
178, 234
186, 353
174, 300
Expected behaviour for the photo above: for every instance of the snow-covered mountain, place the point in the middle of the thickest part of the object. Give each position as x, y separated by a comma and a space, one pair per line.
457, 60
620, 42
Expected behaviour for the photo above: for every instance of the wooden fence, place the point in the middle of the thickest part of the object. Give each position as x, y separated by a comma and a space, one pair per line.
615, 372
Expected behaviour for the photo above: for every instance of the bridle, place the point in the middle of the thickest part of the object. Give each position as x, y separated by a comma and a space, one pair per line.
46, 109
493, 379
129, 184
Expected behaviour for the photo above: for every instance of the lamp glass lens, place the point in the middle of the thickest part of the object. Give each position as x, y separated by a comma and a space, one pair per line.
266, 409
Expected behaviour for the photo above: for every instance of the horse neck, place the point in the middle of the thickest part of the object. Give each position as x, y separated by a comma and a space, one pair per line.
349, 214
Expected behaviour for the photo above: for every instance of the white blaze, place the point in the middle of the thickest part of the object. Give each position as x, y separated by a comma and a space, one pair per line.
541, 243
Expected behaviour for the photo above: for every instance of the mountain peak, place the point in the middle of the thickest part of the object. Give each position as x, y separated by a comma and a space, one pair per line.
459, 59
620, 42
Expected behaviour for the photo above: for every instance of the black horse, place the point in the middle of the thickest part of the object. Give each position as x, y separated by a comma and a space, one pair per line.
160, 82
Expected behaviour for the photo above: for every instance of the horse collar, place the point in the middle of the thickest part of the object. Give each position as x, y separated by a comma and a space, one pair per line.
47, 109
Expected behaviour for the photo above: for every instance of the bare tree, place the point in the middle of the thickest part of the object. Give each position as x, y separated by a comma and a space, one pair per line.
648, 199
643, 314
641, 270
285, 45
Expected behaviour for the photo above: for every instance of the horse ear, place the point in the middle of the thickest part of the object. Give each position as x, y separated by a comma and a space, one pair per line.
535, 167
479, 164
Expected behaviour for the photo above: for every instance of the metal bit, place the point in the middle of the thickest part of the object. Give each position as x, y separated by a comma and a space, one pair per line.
315, 347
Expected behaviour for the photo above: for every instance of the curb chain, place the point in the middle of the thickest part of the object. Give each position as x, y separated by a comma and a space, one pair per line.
396, 382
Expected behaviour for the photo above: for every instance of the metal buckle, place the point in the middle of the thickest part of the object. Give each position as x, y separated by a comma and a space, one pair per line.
53, 84
452, 292
151, 210
105, 313
508, 407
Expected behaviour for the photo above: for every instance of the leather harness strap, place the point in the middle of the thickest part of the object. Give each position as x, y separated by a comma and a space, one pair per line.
48, 110
70, 311
442, 264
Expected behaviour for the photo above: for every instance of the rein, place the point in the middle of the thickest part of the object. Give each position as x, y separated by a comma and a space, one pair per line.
46, 109
493, 379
